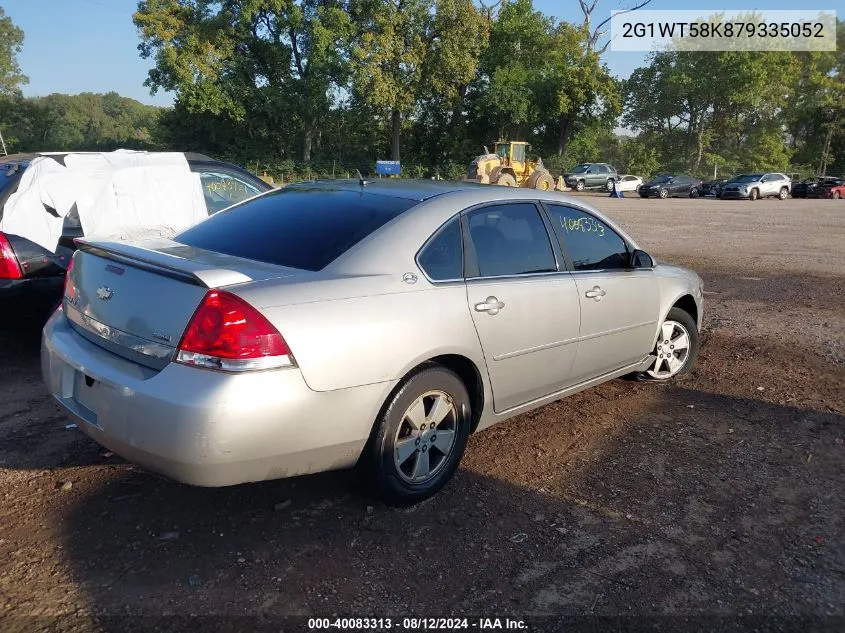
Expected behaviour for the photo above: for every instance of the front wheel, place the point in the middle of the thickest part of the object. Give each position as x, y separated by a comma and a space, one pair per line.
638, 188
419, 438
835, 195
664, 193
693, 193
754, 194
506, 180
610, 184
676, 349
579, 185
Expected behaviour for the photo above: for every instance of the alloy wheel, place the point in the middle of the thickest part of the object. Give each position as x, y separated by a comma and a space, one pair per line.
672, 350
425, 437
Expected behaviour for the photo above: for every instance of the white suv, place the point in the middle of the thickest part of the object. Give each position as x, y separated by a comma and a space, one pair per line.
754, 186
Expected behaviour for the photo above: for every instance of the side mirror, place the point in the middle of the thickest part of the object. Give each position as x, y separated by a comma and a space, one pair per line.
641, 259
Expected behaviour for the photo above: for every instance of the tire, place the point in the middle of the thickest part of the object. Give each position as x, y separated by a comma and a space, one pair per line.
506, 180
637, 189
609, 184
835, 195
663, 194
693, 193
579, 185
783, 194
390, 477
544, 182
661, 370
754, 195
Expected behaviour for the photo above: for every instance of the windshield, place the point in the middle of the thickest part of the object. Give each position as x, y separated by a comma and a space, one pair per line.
748, 178
502, 149
580, 169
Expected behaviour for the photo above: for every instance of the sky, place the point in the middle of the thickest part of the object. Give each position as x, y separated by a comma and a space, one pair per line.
74, 46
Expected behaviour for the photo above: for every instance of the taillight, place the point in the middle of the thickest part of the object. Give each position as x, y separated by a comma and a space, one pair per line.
227, 333
9, 267
70, 287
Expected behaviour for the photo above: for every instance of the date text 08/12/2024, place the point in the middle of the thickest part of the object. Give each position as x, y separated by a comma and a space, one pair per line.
416, 624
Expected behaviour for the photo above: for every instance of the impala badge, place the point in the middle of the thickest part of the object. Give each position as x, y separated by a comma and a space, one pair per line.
104, 293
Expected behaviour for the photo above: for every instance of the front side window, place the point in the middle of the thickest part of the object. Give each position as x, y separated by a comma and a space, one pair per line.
510, 239
222, 190
519, 153
441, 258
592, 244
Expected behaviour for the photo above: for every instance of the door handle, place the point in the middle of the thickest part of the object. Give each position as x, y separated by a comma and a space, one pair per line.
491, 306
596, 293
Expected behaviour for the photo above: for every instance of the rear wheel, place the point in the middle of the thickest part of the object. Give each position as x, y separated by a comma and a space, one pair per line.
783, 193
579, 185
664, 193
610, 184
506, 180
637, 189
835, 195
754, 194
676, 349
693, 193
419, 438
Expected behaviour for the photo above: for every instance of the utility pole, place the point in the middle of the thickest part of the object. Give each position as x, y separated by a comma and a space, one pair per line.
825, 152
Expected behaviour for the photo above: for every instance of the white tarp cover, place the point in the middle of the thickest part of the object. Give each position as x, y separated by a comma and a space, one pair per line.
118, 195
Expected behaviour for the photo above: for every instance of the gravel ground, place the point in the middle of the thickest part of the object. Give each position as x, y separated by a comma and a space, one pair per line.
716, 502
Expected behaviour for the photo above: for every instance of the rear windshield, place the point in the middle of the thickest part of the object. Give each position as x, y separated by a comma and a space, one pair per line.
305, 228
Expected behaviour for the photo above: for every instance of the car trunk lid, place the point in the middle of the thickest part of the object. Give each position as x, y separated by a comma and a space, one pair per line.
136, 300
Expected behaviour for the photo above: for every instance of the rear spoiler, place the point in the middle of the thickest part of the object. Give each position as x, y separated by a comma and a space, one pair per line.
155, 261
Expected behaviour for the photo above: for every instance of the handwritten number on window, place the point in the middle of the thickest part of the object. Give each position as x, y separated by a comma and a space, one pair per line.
582, 224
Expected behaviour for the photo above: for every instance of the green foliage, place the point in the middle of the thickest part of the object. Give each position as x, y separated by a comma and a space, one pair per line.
319, 88
84, 122
11, 43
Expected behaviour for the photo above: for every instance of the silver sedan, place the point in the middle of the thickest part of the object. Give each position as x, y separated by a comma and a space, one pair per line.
328, 325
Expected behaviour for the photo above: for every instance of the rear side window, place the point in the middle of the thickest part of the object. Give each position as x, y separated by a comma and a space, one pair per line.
305, 228
592, 244
442, 257
222, 189
510, 239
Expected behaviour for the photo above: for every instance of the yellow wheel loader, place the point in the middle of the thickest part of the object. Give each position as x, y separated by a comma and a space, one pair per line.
509, 167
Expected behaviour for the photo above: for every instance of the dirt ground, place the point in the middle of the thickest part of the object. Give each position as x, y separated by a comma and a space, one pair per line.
717, 502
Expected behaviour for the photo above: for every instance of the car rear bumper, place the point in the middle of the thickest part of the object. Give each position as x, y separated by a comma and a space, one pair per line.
203, 427
37, 288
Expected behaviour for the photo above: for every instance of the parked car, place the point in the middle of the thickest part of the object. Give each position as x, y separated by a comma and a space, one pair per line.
331, 324
590, 176
833, 188
808, 188
30, 270
671, 186
754, 186
713, 187
629, 183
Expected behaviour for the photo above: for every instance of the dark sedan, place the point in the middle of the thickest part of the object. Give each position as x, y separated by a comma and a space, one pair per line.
27, 270
713, 187
671, 186
819, 188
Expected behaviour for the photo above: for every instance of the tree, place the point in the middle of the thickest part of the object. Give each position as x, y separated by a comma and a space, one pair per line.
11, 43
708, 101
266, 64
